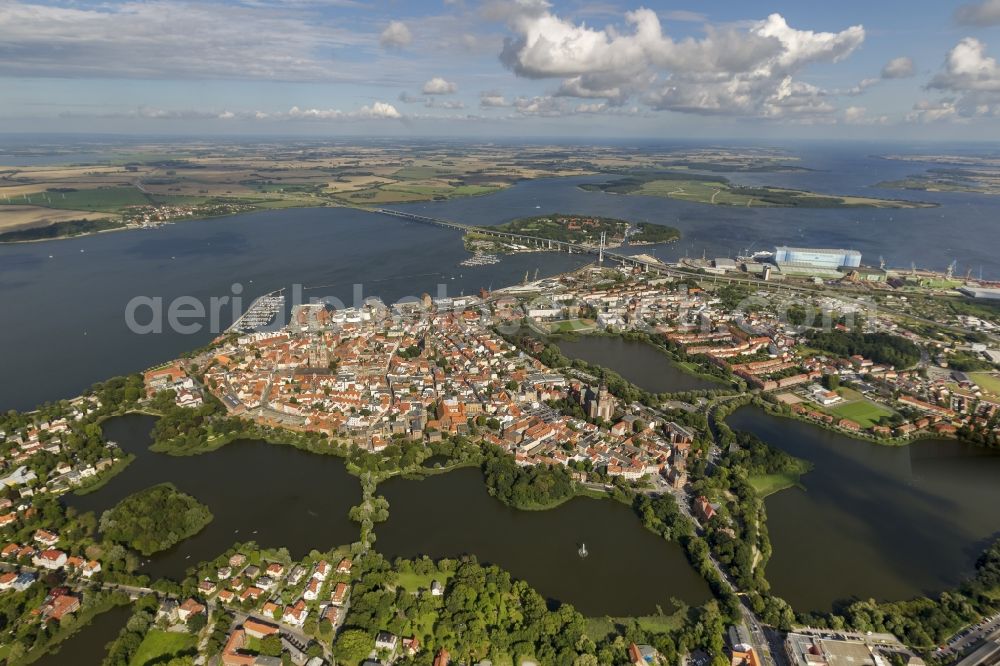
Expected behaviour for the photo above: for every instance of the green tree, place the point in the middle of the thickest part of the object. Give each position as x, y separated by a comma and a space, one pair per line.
271, 645
353, 645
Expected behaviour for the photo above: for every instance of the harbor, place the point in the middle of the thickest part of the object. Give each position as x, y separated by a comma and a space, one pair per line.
481, 260
260, 313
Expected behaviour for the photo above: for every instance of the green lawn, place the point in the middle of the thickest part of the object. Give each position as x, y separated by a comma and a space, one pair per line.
160, 646
990, 383
862, 412
571, 325
413, 582
849, 394
768, 484
599, 627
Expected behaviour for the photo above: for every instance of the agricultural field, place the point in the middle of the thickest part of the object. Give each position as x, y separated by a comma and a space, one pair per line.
103, 199
151, 183
718, 191
25, 217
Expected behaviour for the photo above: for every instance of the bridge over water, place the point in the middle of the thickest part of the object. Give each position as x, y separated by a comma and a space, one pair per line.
563, 246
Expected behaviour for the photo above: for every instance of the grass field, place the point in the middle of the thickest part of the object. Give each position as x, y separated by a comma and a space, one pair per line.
412, 582
695, 190
990, 383
861, 411
599, 627
160, 646
108, 200
768, 484
572, 326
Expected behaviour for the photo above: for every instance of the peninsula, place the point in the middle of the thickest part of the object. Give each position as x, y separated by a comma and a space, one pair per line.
719, 191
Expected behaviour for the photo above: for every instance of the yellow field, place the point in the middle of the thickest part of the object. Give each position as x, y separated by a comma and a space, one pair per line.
25, 217
350, 183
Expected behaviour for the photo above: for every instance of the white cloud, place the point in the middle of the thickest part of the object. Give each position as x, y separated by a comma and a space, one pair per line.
731, 71
898, 68
858, 115
438, 86
492, 99
164, 39
375, 111
539, 106
862, 86
973, 80
853, 114
983, 13
395, 36
926, 111
968, 68
444, 104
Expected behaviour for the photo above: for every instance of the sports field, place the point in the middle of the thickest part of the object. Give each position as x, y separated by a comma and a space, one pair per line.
862, 411
989, 382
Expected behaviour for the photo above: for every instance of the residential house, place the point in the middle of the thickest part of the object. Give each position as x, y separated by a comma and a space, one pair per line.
189, 608
258, 629
339, 595
386, 641
50, 559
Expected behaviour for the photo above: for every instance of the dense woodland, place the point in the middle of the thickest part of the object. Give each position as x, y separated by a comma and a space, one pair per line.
486, 614
154, 519
525, 487
879, 347
756, 457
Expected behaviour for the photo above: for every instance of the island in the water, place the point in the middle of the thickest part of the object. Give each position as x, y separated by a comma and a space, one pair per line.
155, 519
719, 191
572, 228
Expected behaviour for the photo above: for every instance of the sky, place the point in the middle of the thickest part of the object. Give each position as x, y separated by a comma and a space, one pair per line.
874, 69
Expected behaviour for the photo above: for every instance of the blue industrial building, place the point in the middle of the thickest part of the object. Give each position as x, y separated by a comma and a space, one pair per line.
807, 257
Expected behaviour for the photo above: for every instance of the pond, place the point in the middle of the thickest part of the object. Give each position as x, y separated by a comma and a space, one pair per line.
88, 646
272, 494
281, 496
888, 522
639, 362
627, 571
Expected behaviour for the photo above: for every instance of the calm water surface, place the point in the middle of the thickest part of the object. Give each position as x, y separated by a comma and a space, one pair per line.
638, 362
88, 647
281, 496
628, 570
272, 494
70, 307
875, 521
